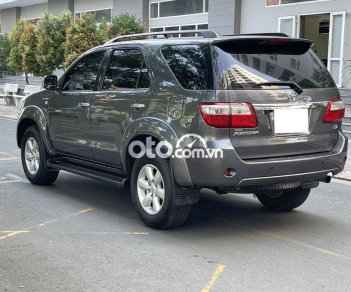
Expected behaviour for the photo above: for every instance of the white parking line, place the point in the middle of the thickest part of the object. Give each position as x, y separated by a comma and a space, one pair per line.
8, 159
12, 179
8, 119
7, 156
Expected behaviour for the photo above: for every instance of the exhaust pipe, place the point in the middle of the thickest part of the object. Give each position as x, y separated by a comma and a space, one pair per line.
328, 178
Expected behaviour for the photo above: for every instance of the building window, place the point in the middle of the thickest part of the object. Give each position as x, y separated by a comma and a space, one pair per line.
282, 2
178, 8
179, 28
100, 15
32, 21
154, 10
202, 26
156, 29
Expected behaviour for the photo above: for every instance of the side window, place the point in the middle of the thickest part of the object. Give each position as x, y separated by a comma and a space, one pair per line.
127, 70
191, 65
83, 75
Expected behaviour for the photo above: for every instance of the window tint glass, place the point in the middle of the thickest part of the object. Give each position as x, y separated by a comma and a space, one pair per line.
127, 70
191, 65
83, 75
181, 7
144, 80
247, 71
154, 10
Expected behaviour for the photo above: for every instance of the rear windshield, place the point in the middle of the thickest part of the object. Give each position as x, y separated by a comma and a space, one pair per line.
247, 71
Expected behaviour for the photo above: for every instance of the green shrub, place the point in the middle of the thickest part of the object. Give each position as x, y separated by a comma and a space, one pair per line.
82, 34
50, 50
126, 24
4, 53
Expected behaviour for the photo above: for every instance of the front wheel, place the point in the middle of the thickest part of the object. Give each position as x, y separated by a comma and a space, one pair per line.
152, 192
284, 201
34, 158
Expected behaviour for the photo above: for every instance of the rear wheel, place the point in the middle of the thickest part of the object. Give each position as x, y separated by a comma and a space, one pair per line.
152, 192
34, 158
283, 201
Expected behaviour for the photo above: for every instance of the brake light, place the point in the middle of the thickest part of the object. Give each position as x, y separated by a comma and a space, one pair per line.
216, 114
243, 115
229, 115
335, 111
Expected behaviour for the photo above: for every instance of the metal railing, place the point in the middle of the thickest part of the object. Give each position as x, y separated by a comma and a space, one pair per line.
164, 34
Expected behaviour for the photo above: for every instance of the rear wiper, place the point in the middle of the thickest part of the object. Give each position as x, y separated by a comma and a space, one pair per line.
292, 85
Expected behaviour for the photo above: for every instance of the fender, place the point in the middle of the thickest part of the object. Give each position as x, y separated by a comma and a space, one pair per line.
163, 132
37, 115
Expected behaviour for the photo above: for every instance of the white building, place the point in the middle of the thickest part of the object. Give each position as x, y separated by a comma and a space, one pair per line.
326, 22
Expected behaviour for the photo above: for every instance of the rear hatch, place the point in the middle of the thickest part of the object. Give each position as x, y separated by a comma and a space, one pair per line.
289, 89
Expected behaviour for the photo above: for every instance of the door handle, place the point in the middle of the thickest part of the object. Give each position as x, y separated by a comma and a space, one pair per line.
138, 105
84, 104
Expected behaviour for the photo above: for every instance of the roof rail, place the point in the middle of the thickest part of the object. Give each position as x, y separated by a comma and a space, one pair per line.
207, 34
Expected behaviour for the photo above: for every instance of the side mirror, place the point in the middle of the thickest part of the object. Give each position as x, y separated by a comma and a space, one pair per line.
50, 82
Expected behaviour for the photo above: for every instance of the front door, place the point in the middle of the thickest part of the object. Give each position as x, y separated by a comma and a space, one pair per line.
69, 108
123, 98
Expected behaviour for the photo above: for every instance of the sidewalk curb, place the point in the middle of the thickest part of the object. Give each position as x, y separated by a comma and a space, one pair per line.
8, 117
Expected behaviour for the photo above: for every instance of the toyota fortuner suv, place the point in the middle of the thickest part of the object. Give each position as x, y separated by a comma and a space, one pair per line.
168, 116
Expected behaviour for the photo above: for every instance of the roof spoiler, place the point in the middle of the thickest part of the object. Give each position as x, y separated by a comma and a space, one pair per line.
272, 34
246, 44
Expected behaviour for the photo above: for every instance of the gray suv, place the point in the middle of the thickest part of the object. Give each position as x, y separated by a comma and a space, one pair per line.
264, 103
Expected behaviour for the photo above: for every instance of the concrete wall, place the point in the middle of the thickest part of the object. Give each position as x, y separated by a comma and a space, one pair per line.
56, 7
256, 17
90, 5
34, 11
224, 16
135, 7
9, 18
179, 20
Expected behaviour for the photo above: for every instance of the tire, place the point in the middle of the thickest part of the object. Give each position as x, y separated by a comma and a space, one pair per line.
169, 215
286, 201
35, 167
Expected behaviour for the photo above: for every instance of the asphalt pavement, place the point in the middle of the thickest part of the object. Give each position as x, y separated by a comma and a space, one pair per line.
84, 235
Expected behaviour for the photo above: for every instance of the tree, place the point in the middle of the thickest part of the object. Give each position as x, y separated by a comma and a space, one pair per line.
4, 53
126, 24
103, 32
82, 34
16, 44
51, 32
28, 44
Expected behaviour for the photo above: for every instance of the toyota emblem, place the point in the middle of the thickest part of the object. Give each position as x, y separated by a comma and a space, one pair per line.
293, 96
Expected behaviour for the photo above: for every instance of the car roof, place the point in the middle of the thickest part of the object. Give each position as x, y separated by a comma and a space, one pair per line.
212, 38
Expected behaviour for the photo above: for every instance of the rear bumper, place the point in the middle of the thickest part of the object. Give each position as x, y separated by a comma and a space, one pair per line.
210, 172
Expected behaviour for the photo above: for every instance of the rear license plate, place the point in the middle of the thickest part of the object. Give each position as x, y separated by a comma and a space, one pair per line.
291, 121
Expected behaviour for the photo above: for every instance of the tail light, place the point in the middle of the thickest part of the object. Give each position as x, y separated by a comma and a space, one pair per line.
335, 111
229, 115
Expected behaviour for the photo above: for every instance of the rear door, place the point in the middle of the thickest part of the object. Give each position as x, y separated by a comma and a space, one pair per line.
123, 98
264, 72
